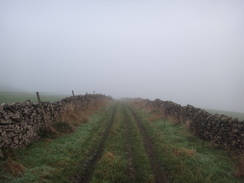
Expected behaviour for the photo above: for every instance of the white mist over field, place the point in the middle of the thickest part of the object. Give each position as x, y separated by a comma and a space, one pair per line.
190, 52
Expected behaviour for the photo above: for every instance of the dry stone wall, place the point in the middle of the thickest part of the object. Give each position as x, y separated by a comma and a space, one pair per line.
20, 122
226, 132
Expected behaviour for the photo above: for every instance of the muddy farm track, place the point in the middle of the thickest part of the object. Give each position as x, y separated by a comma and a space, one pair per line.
148, 144
133, 129
89, 164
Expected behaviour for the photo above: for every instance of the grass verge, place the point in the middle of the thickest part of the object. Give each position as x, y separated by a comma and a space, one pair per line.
186, 158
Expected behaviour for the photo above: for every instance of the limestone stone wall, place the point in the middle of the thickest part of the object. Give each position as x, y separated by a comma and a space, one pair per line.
226, 132
20, 122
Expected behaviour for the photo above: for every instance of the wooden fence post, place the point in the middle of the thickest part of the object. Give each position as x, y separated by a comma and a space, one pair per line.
38, 97
73, 94
43, 113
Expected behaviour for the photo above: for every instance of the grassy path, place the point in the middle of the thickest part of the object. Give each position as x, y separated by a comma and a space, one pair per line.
124, 158
120, 145
88, 164
128, 153
148, 144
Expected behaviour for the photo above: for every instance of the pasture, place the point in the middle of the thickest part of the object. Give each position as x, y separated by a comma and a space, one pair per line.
232, 114
12, 97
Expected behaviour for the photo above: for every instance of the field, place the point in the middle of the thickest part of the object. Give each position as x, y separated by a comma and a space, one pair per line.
122, 143
10, 97
238, 115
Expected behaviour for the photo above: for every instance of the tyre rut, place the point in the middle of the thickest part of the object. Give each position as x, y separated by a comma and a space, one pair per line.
131, 168
147, 141
88, 166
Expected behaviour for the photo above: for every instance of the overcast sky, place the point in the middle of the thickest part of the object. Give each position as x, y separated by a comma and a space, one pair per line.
190, 52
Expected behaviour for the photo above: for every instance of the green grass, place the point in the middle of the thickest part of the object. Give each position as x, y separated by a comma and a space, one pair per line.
55, 160
143, 171
238, 115
113, 165
11, 97
186, 158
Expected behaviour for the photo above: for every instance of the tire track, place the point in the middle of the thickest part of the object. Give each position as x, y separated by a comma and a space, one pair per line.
88, 166
147, 141
128, 128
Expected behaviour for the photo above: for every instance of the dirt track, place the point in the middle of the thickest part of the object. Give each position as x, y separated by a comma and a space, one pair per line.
148, 144
129, 151
89, 164
133, 127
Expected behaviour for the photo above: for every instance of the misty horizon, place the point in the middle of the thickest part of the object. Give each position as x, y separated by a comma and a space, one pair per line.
186, 52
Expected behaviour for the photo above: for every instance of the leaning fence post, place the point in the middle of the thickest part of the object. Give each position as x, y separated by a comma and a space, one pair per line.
43, 113
38, 97
73, 94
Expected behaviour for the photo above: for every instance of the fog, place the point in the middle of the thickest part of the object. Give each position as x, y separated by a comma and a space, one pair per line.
189, 52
